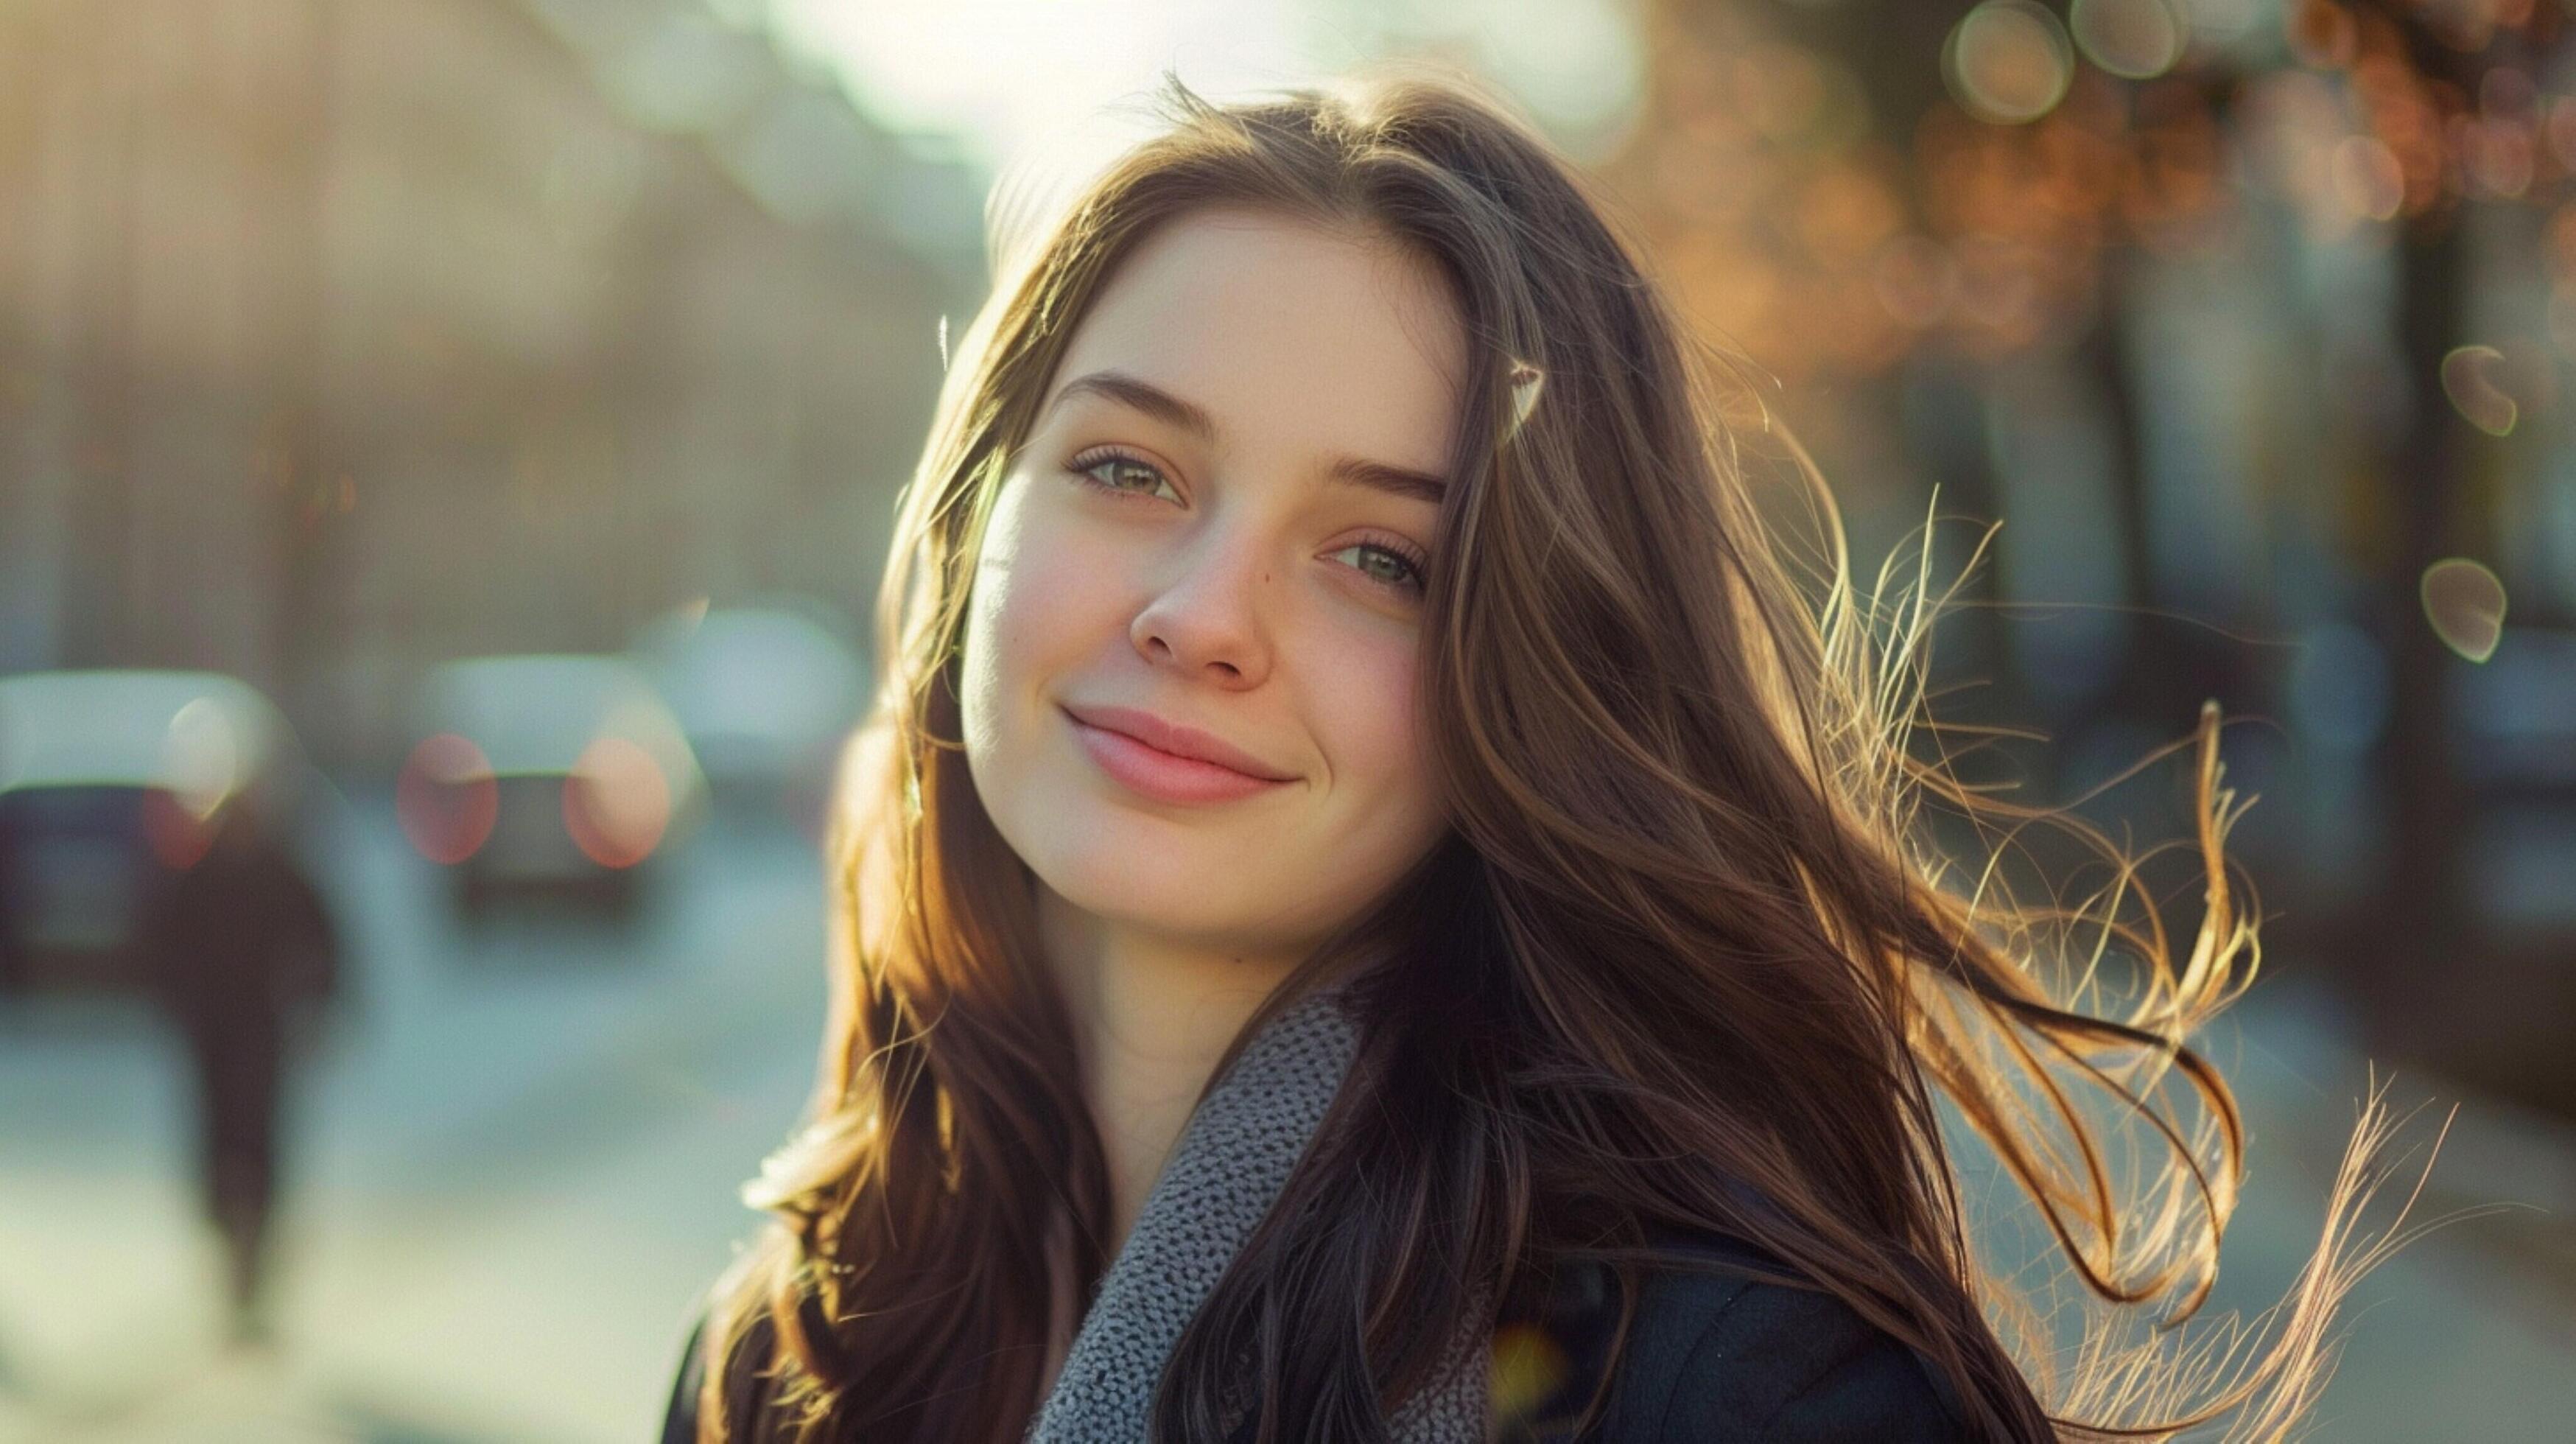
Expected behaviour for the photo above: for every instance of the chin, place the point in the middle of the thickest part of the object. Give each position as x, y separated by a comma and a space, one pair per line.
1109, 872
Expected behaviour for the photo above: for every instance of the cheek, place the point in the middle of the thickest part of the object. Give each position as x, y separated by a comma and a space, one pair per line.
1371, 700
1041, 605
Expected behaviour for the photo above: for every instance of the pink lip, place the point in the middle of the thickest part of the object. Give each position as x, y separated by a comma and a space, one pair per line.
1167, 762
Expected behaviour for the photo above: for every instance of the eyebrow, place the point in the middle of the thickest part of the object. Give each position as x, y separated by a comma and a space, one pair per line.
1138, 394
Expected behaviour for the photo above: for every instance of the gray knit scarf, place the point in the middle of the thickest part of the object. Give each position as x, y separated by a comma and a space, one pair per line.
1231, 1163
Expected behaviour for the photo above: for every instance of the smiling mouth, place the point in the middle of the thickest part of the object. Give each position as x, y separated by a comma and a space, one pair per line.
1165, 776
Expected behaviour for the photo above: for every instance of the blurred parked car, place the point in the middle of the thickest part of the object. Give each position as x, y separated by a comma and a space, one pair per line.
107, 781
547, 775
765, 696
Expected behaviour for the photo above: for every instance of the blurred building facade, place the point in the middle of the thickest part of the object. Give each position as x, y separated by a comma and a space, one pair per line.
341, 336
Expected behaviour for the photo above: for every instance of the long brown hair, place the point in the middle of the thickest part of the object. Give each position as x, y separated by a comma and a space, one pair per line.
1687, 957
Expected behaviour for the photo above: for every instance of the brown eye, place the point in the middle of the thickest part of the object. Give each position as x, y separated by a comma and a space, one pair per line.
1116, 472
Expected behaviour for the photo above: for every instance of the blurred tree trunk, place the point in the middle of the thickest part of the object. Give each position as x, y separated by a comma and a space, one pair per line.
2413, 954
2419, 950
2106, 352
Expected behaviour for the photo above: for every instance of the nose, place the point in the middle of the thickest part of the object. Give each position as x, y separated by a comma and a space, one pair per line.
1207, 624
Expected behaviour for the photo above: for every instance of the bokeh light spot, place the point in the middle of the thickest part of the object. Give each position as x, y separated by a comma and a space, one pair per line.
1917, 279
2464, 601
1528, 1367
201, 758
446, 798
2471, 378
2368, 178
2133, 39
616, 803
2322, 34
2008, 61
2223, 21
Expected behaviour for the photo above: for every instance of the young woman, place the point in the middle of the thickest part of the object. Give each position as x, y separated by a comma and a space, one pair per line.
1370, 906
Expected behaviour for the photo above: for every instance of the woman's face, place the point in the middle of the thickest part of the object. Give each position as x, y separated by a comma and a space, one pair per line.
1218, 528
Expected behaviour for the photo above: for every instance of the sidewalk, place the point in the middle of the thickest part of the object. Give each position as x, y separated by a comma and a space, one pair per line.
2470, 1331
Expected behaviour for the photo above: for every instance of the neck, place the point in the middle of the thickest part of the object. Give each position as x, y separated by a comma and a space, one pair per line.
1152, 1016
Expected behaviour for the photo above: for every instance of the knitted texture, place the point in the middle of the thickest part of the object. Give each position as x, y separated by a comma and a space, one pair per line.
1232, 1161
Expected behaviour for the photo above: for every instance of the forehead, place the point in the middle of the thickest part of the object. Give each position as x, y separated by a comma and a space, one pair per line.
1287, 333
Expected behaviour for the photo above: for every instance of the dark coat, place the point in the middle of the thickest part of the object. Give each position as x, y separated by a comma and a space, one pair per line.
1710, 1357
1721, 1356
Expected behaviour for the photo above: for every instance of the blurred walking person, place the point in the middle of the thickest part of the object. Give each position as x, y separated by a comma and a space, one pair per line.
245, 956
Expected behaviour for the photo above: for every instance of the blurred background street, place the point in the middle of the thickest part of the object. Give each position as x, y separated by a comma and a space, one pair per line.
515, 1173
460, 437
